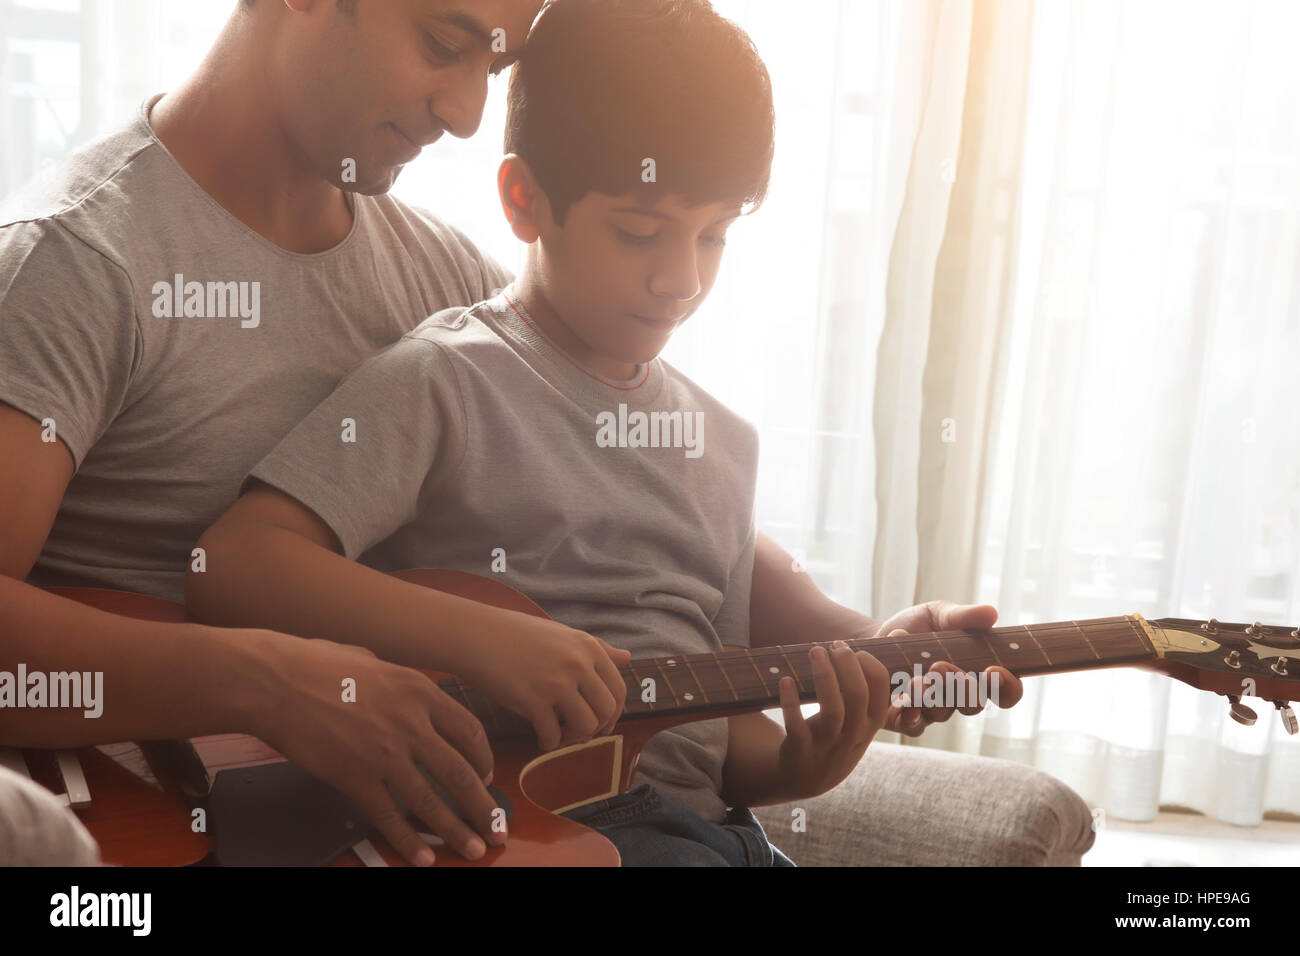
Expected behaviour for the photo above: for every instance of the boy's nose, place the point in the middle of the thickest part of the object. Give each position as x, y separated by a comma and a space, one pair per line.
677, 275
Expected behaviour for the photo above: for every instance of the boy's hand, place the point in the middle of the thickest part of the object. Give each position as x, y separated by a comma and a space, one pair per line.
399, 721
853, 691
544, 670
945, 616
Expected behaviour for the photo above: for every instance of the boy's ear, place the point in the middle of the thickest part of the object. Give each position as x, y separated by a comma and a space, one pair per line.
519, 197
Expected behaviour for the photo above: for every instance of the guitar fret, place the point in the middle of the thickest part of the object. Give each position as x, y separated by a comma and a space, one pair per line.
722, 670
634, 692
695, 677
664, 675
992, 650
767, 692
1040, 646
793, 670
1085, 640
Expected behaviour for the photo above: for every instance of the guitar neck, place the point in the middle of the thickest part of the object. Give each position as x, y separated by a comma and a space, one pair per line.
696, 686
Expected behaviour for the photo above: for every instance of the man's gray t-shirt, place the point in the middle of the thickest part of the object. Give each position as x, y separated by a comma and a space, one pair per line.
165, 411
476, 445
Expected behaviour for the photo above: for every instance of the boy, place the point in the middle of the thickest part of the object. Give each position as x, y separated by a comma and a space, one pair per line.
536, 437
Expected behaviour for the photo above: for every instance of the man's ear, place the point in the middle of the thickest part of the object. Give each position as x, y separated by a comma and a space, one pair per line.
521, 200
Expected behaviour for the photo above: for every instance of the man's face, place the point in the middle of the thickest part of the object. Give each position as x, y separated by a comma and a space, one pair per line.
623, 274
368, 90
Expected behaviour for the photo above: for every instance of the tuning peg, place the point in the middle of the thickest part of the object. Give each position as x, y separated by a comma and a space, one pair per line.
1288, 716
1257, 630
1211, 626
1240, 712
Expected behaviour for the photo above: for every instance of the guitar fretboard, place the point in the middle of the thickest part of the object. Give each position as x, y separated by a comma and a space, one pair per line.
735, 680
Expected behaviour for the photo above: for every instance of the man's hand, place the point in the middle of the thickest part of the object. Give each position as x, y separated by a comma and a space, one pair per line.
853, 692
944, 616
399, 721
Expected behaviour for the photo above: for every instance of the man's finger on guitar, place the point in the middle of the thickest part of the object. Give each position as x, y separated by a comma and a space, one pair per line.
830, 700
1006, 690
450, 769
462, 730
391, 822
580, 721
602, 704
913, 718
928, 693
910, 722
853, 685
796, 727
425, 804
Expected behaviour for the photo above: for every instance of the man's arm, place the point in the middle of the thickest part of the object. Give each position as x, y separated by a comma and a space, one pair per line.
167, 689
164, 680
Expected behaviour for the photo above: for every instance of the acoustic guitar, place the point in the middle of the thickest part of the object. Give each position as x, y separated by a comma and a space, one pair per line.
139, 801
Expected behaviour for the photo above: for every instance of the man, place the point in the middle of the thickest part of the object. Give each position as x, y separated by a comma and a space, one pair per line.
153, 315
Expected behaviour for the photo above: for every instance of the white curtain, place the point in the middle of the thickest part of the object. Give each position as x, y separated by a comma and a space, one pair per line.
1019, 323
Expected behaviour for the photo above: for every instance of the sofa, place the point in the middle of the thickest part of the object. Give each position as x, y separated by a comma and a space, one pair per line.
916, 806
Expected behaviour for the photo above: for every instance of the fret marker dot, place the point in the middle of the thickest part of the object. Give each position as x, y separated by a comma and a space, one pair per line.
688, 696
774, 670
925, 654
670, 663
1014, 646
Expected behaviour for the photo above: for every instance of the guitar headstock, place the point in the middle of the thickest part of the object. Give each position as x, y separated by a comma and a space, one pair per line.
1236, 660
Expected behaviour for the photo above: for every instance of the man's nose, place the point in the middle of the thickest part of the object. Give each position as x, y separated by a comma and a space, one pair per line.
462, 104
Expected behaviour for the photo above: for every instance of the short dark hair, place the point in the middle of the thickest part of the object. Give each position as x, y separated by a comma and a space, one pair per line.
602, 85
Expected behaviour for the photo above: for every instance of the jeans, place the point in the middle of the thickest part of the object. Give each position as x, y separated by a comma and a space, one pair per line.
650, 830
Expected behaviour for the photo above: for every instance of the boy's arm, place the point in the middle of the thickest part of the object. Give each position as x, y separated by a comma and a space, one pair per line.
786, 607
766, 764
272, 562
164, 680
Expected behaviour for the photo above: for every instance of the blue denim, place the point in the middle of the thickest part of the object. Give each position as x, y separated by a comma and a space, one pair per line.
650, 830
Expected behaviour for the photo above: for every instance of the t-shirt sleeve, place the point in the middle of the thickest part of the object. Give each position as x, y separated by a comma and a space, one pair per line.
68, 332
731, 623
361, 459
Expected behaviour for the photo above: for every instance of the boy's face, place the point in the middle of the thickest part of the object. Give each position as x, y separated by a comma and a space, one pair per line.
622, 274
378, 84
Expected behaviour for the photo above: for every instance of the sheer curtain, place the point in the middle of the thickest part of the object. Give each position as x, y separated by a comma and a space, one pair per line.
1108, 404
1019, 323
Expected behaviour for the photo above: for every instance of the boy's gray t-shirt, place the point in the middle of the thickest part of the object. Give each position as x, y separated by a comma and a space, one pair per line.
473, 440
165, 414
